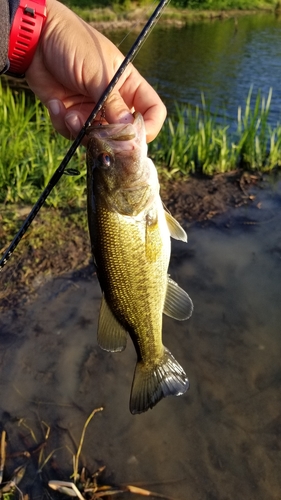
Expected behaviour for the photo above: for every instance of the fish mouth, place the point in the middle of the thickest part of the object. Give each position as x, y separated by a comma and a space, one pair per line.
121, 137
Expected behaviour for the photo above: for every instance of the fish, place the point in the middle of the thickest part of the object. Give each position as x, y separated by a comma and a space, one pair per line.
130, 234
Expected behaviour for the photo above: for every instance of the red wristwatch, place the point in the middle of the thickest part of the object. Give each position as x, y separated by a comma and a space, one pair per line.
24, 36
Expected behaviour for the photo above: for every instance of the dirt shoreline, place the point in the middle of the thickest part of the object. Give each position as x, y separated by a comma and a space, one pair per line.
135, 19
56, 245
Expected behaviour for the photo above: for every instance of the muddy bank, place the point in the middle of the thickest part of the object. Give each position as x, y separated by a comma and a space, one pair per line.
58, 241
202, 198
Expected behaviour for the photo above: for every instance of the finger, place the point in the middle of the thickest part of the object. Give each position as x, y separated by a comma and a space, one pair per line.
67, 122
74, 121
139, 96
57, 112
154, 118
149, 104
116, 111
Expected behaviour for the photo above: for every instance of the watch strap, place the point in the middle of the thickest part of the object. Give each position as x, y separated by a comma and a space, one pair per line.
25, 32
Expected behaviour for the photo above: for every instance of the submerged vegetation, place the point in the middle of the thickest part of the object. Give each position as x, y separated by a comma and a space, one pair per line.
32, 470
194, 140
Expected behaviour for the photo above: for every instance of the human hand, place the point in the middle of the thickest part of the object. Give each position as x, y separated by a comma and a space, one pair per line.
73, 65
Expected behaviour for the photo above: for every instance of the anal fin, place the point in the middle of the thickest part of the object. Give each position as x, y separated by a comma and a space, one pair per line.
111, 334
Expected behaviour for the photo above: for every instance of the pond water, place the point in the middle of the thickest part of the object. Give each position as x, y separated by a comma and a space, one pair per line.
222, 58
221, 438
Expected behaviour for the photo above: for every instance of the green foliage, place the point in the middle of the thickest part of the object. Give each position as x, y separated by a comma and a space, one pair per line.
87, 4
252, 131
30, 153
96, 15
190, 4
108, 10
93, 4
222, 4
195, 140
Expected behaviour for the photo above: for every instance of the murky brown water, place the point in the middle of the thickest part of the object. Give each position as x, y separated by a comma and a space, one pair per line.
221, 440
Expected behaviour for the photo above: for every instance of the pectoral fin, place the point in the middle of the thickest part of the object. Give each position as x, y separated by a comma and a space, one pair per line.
111, 335
176, 231
178, 304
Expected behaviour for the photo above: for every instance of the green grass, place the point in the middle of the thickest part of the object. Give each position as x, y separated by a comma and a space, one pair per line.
30, 153
224, 4
185, 10
192, 141
190, 4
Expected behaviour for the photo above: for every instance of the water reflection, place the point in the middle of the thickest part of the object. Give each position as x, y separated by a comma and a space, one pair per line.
220, 438
222, 58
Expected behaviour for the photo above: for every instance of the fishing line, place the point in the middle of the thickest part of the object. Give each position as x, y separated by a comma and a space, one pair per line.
60, 170
134, 26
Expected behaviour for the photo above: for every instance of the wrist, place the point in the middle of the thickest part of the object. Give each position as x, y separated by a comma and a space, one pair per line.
25, 32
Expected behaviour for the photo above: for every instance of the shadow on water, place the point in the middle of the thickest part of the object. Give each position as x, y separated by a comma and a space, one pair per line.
220, 439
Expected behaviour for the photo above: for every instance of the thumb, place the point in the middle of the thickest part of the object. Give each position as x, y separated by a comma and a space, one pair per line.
116, 111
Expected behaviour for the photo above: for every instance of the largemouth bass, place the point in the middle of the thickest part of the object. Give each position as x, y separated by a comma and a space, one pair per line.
130, 238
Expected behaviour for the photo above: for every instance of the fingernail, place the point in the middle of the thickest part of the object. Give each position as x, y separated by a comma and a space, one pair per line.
54, 106
125, 117
73, 121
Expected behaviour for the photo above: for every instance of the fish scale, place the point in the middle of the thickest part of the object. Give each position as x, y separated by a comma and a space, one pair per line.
128, 287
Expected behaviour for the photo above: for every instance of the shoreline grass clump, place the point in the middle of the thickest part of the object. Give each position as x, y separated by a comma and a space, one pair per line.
193, 141
181, 4
31, 151
196, 141
184, 11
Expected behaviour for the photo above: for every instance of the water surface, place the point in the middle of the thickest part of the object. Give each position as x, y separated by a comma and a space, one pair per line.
222, 58
221, 438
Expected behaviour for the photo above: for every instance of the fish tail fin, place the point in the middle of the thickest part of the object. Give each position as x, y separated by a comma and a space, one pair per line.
151, 384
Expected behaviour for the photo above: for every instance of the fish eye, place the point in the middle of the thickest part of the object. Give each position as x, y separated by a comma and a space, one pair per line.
104, 159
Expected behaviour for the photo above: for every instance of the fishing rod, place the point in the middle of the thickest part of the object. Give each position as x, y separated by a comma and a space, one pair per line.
61, 168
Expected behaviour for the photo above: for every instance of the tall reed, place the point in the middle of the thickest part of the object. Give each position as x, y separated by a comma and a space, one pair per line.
31, 151
195, 140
